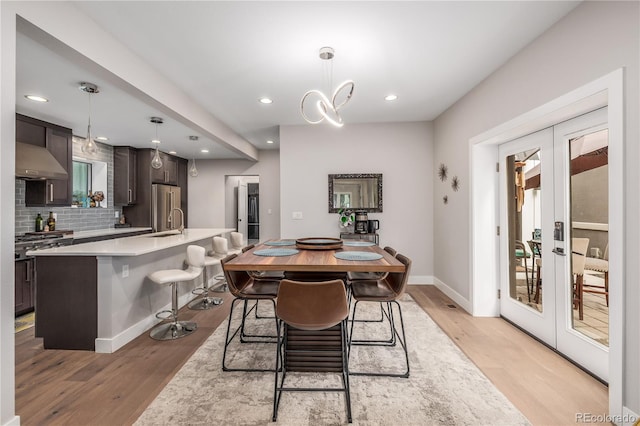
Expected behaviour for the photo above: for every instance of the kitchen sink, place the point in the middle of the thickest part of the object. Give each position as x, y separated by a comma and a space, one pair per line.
163, 235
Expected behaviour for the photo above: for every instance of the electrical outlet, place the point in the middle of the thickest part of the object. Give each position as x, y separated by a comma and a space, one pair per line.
125, 271
268, 211
117, 214
297, 215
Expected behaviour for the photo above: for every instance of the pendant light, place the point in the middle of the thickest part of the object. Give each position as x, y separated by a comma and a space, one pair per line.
156, 162
325, 108
89, 146
193, 171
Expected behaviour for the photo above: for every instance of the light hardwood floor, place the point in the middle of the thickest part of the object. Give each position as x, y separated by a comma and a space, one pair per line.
81, 388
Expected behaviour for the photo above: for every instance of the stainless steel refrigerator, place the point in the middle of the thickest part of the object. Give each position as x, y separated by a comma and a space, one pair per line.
165, 202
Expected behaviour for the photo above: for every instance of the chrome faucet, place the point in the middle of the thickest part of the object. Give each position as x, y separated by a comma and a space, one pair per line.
181, 228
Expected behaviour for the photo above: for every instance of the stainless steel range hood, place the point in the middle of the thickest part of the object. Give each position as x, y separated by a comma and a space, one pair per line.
35, 162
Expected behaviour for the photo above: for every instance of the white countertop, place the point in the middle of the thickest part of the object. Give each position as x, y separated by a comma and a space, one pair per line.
132, 246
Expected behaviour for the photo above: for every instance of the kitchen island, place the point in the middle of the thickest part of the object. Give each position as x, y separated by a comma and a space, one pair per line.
96, 296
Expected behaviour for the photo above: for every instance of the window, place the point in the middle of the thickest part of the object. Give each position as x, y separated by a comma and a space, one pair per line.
82, 183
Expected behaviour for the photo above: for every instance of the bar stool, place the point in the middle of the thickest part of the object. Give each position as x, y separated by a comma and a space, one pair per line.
206, 302
176, 329
220, 251
237, 242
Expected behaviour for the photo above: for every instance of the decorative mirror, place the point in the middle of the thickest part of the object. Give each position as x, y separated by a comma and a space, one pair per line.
361, 191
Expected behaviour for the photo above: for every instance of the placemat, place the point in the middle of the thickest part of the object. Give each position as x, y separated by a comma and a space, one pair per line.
359, 243
276, 252
357, 255
280, 243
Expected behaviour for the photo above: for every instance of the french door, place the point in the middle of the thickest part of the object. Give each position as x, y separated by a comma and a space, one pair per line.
554, 227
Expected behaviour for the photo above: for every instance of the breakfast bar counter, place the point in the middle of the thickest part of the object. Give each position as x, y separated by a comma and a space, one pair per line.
96, 296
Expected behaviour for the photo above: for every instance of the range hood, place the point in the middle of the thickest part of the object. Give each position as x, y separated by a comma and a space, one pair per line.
35, 162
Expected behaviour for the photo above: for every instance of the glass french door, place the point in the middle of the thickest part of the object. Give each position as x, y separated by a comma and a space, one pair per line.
553, 250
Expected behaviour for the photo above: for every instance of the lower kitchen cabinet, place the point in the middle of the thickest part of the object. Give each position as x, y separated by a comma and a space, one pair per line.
25, 287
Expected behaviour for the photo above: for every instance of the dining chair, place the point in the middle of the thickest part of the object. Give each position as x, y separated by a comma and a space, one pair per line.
262, 275
244, 289
354, 276
600, 266
578, 258
305, 308
386, 291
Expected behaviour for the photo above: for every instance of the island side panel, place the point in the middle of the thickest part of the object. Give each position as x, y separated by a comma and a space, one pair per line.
66, 302
128, 304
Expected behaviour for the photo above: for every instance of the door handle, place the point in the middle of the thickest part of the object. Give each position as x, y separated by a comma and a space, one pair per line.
130, 196
51, 192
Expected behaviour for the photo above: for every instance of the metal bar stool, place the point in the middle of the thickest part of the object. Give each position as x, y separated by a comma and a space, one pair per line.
176, 329
205, 302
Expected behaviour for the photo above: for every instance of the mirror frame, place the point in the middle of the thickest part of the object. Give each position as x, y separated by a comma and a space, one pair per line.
377, 176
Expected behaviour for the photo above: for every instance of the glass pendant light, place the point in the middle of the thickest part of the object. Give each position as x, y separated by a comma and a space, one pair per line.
193, 171
89, 146
156, 162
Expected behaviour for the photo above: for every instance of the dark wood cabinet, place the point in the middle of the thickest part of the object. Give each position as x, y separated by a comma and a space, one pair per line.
173, 172
24, 287
57, 140
125, 175
183, 179
168, 173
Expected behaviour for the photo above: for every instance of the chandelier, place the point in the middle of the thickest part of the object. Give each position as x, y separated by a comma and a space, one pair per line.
319, 104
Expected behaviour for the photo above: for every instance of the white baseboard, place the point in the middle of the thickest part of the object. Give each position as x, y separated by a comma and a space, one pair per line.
453, 295
629, 418
15, 421
112, 344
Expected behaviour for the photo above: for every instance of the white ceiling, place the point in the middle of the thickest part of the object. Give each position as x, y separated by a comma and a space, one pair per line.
226, 55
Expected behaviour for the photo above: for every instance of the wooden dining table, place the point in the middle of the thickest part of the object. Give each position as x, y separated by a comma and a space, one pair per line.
298, 357
314, 260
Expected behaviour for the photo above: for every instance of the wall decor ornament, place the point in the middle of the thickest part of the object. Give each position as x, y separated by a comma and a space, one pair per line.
442, 172
455, 183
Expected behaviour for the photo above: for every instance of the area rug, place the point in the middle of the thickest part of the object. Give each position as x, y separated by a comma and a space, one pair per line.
25, 321
444, 388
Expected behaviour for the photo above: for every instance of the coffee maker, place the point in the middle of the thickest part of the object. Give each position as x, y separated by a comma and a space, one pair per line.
362, 223
373, 226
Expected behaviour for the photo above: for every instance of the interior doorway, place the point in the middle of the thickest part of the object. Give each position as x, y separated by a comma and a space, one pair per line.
242, 201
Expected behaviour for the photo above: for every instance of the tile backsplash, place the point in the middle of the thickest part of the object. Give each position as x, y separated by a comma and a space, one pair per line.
77, 219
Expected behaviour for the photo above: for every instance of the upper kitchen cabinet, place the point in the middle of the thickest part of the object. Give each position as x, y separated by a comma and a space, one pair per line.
168, 173
125, 175
57, 140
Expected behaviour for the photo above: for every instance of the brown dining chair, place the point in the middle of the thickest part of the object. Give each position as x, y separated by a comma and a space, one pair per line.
601, 266
262, 275
386, 291
305, 308
244, 289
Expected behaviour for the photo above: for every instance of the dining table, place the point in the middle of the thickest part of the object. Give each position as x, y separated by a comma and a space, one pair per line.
313, 260
291, 257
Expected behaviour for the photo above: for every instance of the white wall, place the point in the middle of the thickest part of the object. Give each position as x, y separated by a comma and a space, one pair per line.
402, 152
207, 199
590, 42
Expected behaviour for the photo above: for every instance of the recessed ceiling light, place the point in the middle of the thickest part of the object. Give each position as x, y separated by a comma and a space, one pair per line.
269, 141
391, 97
102, 139
265, 101
155, 140
204, 151
36, 98
172, 152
